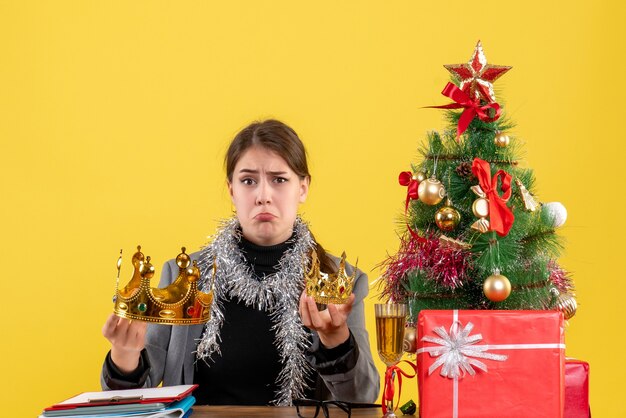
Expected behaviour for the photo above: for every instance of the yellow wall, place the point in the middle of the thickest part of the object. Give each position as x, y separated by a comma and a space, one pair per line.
114, 117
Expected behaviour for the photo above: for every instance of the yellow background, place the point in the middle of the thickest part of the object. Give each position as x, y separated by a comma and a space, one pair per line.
114, 117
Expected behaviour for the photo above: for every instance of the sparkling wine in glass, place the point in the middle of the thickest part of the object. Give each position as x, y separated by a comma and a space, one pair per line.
390, 321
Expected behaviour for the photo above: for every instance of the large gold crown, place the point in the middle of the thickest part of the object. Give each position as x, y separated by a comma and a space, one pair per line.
329, 288
180, 303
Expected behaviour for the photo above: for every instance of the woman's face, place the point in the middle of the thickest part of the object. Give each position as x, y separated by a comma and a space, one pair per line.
266, 193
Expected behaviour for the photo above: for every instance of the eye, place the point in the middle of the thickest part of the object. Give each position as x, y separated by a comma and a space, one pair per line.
280, 180
248, 181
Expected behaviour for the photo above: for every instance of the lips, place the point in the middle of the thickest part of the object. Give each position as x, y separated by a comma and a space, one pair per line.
264, 217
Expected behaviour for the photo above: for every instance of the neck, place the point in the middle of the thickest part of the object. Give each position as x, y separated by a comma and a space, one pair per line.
264, 259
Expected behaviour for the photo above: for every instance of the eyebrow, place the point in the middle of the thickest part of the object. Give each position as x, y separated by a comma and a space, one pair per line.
251, 171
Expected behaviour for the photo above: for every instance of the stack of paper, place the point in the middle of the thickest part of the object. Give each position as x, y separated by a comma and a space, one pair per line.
164, 402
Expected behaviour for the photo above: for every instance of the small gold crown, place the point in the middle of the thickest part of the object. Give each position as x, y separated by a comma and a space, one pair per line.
329, 288
180, 303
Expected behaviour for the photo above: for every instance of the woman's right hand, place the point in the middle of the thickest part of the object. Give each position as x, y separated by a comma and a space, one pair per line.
127, 339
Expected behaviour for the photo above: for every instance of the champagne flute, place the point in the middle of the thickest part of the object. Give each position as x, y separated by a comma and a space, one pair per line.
390, 321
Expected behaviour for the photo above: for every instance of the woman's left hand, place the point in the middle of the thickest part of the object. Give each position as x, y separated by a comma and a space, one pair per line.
330, 323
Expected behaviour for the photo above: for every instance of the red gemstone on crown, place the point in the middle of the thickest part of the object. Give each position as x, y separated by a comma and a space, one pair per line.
190, 311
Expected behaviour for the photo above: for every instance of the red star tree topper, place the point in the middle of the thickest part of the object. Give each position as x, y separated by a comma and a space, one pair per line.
477, 76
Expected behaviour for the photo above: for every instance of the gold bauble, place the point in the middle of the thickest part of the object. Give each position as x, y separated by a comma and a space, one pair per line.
447, 218
419, 176
566, 303
497, 288
410, 340
501, 140
431, 191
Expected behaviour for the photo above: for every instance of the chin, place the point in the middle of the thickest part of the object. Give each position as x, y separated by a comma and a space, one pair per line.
264, 234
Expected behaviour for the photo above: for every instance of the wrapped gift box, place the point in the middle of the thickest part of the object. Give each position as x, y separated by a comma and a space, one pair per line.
496, 364
576, 389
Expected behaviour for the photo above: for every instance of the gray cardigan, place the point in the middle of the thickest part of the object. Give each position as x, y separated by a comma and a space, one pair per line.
170, 349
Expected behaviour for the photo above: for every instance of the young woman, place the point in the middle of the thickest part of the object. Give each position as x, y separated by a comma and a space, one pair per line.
266, 341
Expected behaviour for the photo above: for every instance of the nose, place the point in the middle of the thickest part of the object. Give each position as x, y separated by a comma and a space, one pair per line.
264, 193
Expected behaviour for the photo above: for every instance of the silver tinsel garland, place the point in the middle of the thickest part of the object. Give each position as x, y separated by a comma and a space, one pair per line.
278, 294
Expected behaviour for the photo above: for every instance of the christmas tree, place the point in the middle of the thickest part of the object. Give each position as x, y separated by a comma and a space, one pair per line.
474, 234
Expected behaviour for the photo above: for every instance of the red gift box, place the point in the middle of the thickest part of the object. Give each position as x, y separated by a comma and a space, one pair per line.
490, 364
576, 389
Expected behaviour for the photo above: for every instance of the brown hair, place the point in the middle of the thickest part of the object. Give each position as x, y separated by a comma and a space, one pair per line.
278, 137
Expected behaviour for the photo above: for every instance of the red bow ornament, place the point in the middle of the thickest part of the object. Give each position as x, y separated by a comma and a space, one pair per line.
406, 178
500, 215
389, 389
472, 108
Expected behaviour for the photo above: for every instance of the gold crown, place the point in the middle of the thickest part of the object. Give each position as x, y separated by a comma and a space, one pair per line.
329, 288
180, 303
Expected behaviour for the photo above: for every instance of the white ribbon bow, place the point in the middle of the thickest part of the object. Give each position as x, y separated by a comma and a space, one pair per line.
456, 349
